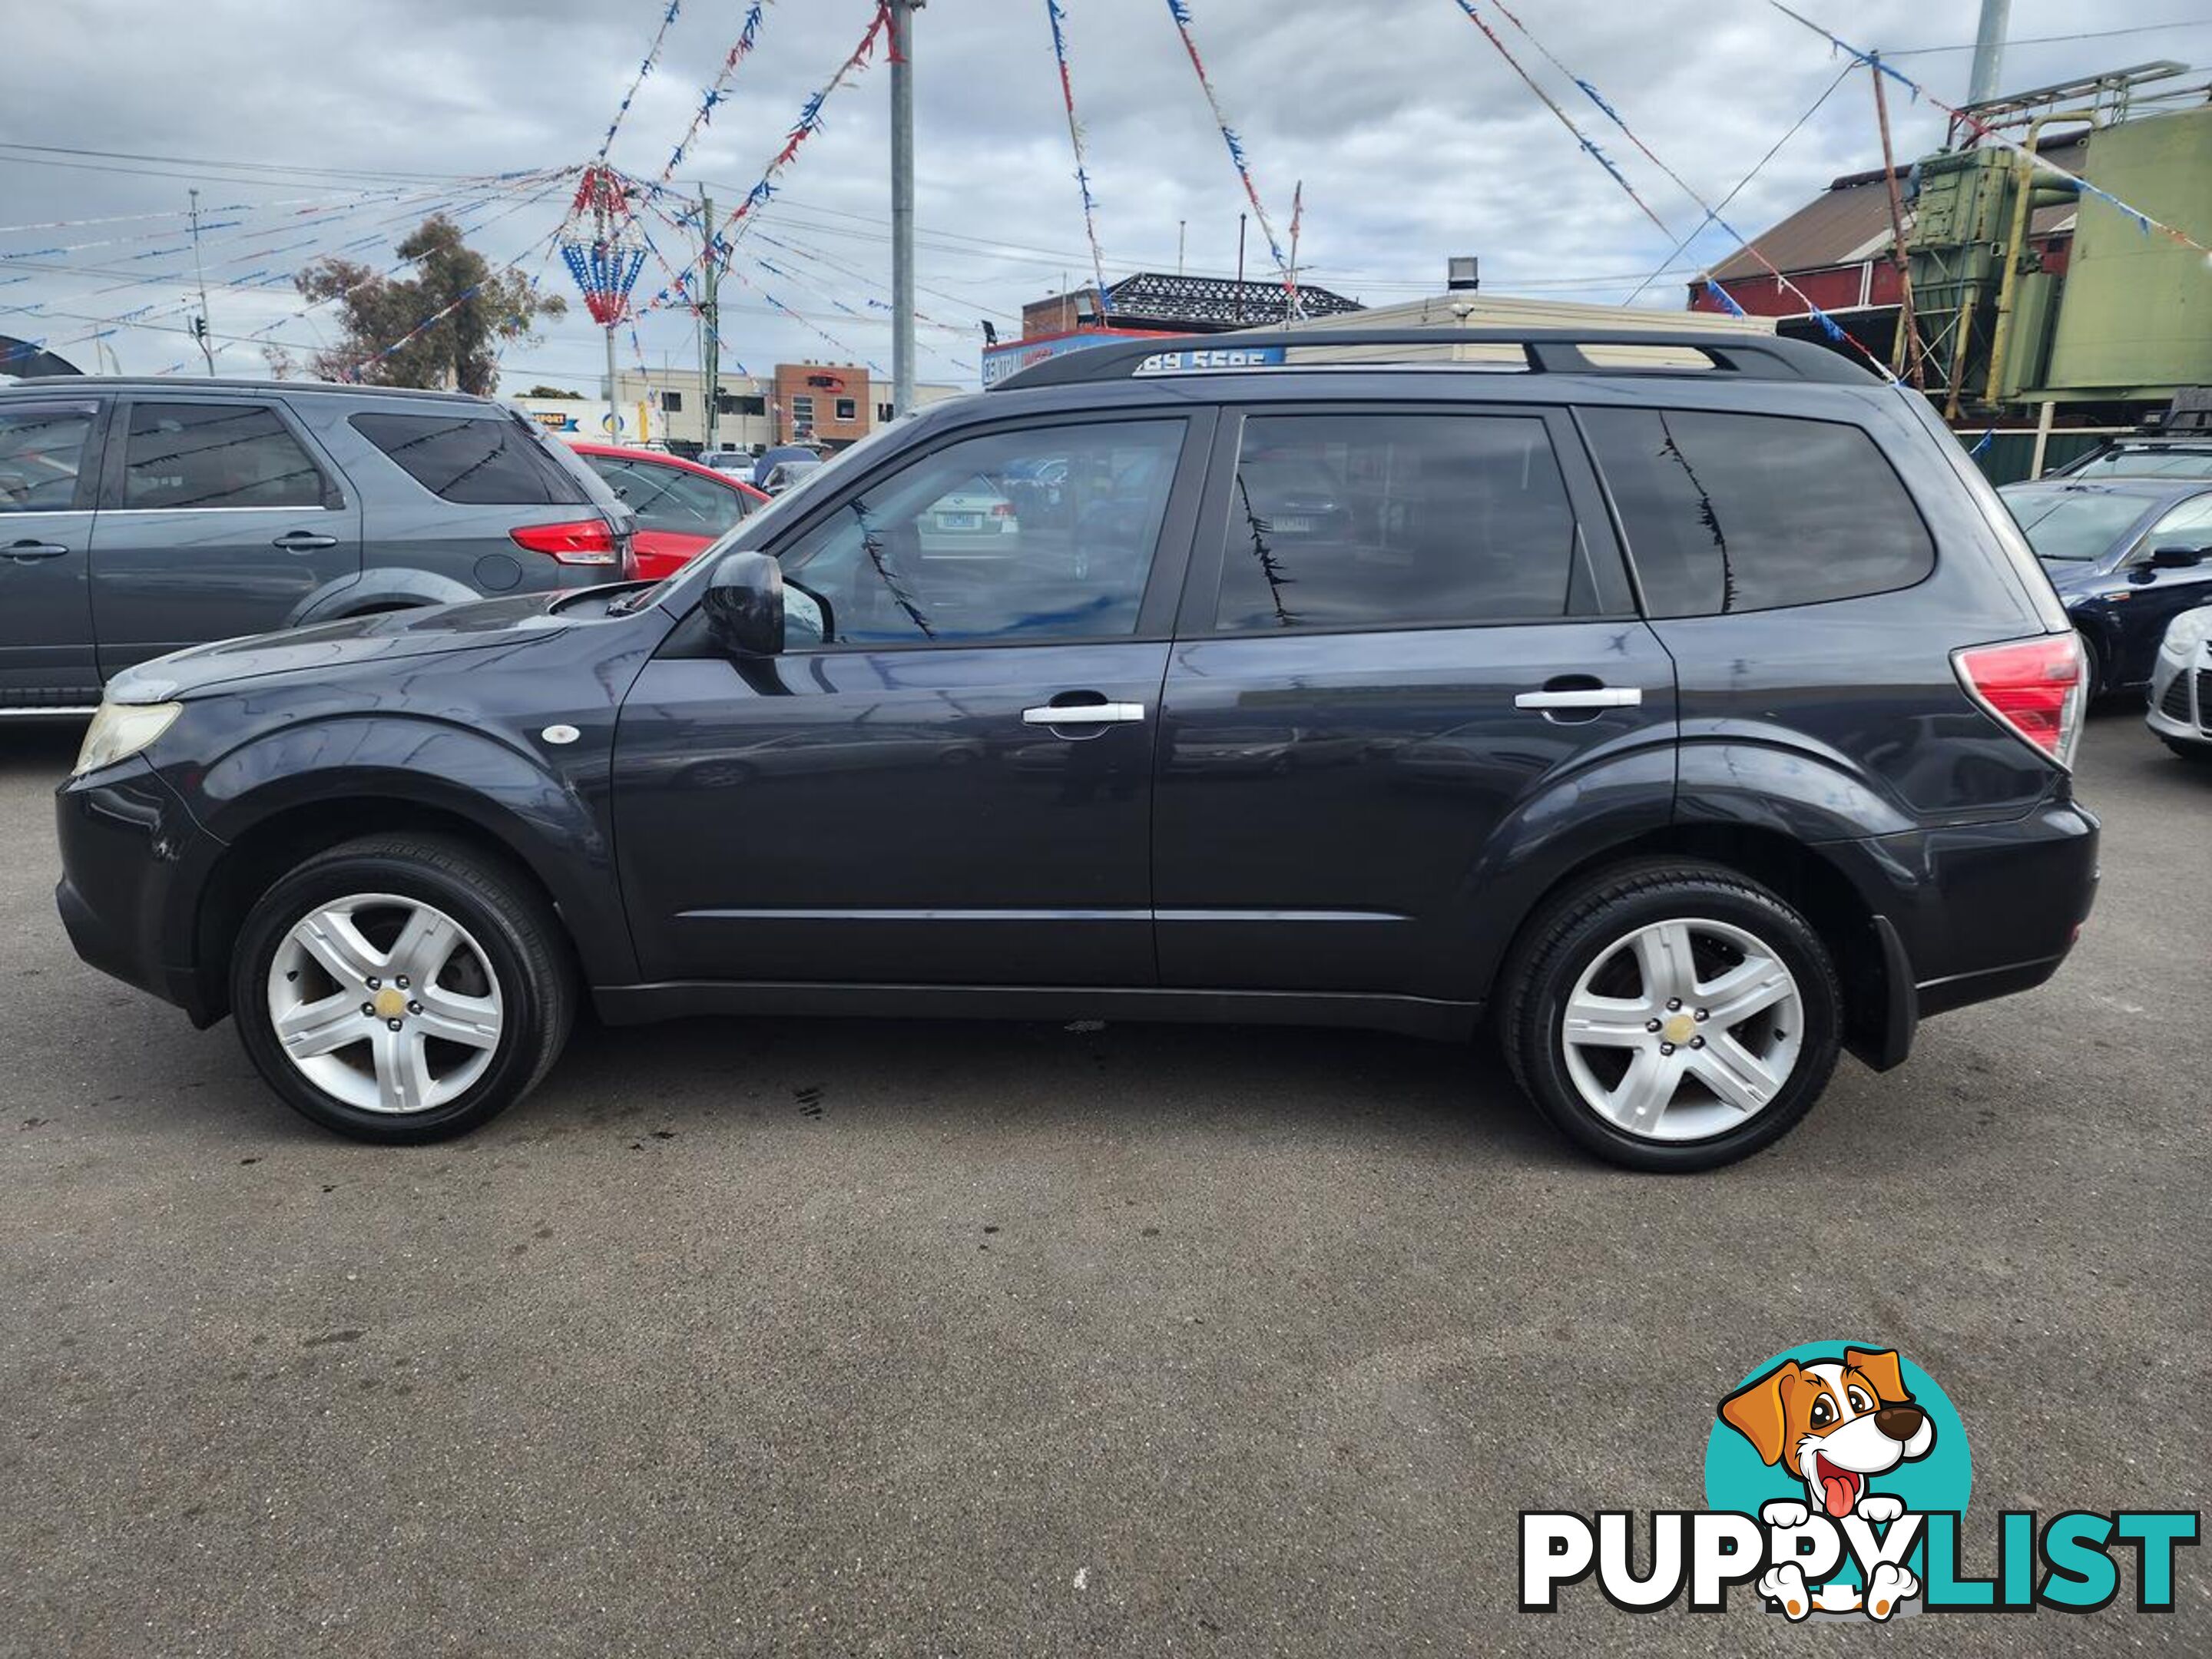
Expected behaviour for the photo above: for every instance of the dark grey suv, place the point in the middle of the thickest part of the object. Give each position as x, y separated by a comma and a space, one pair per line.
1693, 722
137, 517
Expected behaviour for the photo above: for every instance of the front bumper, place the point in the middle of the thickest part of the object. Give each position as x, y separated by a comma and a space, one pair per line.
2181, 695
134, 863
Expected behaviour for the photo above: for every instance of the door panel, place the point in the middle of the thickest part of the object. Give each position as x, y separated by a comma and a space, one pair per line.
946, 778
216, 522
48, 455
889, 816
2157, 596
1321, 802
1343, 737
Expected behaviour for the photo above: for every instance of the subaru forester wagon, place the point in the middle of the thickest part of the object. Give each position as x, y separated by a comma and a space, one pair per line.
1683, 708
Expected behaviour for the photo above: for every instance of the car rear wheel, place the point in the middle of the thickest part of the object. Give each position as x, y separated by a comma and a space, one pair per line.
402, 989
1672, 1016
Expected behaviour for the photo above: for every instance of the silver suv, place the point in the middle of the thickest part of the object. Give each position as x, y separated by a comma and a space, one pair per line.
138, 517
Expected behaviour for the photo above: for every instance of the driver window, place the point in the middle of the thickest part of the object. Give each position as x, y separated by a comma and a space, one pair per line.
1043, 534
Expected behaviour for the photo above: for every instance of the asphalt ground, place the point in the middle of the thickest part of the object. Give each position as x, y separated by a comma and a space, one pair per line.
882, 1337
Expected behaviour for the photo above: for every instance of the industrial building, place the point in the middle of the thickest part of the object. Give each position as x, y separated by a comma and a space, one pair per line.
2030, 298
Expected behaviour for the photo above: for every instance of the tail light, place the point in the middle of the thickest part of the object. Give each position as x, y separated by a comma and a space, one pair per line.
2034, 688
575, 540
1002, 509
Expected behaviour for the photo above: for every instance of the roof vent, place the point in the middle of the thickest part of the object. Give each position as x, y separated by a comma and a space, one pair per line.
1463, 271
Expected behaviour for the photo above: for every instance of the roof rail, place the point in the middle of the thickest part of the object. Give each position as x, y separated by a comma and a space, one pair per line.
1545, 351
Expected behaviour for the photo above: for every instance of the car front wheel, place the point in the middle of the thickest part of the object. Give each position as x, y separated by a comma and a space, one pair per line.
402, 989
1672, 1016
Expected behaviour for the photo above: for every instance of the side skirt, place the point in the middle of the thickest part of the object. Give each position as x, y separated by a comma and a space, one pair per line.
1421, 1017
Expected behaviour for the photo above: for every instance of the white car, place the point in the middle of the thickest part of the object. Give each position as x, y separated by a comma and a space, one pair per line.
2181, 685
978, 508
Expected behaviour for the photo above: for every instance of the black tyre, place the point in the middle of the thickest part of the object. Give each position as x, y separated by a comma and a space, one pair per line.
1671, 1015
2092, 671
402, 988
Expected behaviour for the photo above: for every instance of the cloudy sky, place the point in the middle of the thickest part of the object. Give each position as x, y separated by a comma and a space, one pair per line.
340, 123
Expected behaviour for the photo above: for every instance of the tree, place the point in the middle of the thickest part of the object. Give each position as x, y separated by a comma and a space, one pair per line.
552, 391
386, 341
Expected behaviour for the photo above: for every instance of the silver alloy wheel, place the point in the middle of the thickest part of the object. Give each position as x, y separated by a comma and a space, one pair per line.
1682, 1029
384, 1003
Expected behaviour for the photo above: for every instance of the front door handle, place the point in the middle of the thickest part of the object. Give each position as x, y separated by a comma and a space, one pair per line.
25, 552
1084, 714
1602, 696
304, 541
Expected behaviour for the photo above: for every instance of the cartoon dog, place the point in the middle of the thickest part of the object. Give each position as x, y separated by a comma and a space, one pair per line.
1832, 1424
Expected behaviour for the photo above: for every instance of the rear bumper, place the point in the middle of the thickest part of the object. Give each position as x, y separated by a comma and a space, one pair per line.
133, 862
1970, 913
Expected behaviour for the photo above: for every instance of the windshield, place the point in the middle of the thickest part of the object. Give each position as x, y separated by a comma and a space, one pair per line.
2073, 525
2146, 464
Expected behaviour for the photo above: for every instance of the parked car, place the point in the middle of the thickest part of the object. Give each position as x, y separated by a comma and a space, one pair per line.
740, 461
2181, 686
2126, 554
681, 506
1689, 726
140, 516
784, 474
775, 455
2142, 458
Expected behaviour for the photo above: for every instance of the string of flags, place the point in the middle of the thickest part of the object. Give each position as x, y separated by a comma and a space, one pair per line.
1180, 10
1828, 324
717, 91
1058, 18
1880, 65
644, 68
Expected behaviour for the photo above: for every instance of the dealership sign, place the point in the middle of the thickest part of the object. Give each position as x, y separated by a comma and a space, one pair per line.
999, 362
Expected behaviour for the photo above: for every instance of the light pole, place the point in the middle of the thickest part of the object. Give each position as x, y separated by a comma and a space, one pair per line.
200, 326
902, 17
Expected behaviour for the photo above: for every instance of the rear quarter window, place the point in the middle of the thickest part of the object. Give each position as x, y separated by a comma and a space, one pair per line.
1730, 512
483, 460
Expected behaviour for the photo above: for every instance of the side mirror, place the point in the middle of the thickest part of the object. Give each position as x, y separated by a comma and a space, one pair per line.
743, 605
2178, 558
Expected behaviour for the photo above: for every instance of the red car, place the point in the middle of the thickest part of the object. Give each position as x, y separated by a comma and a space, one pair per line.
681, 506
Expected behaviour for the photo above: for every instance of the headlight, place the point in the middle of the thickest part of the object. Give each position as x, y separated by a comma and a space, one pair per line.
2189, 630
120, 730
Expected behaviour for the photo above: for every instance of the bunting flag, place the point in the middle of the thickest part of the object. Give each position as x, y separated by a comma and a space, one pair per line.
717, 90
1881, 65
1828, 324
1058, 18
722, 239
644, 68
1180, 10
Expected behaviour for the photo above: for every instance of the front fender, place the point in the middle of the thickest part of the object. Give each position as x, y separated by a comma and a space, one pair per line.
392, 589
549, 816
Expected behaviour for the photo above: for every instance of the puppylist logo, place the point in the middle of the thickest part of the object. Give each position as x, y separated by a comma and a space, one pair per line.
1836, 1482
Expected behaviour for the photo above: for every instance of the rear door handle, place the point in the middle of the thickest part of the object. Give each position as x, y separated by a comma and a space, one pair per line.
25, 552
1602, 696
304, 541
1084, 714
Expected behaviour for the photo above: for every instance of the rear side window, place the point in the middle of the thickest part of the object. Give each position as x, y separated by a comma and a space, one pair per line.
210, 455
41, 451
1726, 512
1355, 522
477, 460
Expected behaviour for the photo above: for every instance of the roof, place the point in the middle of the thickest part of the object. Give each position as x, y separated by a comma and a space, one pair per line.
1162, 296
176, 383
1849, 223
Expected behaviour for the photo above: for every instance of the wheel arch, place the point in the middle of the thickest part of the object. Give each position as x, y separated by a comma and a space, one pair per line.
1876, 983
292, 818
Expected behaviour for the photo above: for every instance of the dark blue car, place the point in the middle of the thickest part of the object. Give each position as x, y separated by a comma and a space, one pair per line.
2127, 556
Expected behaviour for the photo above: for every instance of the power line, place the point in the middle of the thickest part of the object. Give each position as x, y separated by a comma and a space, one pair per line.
2054, 40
